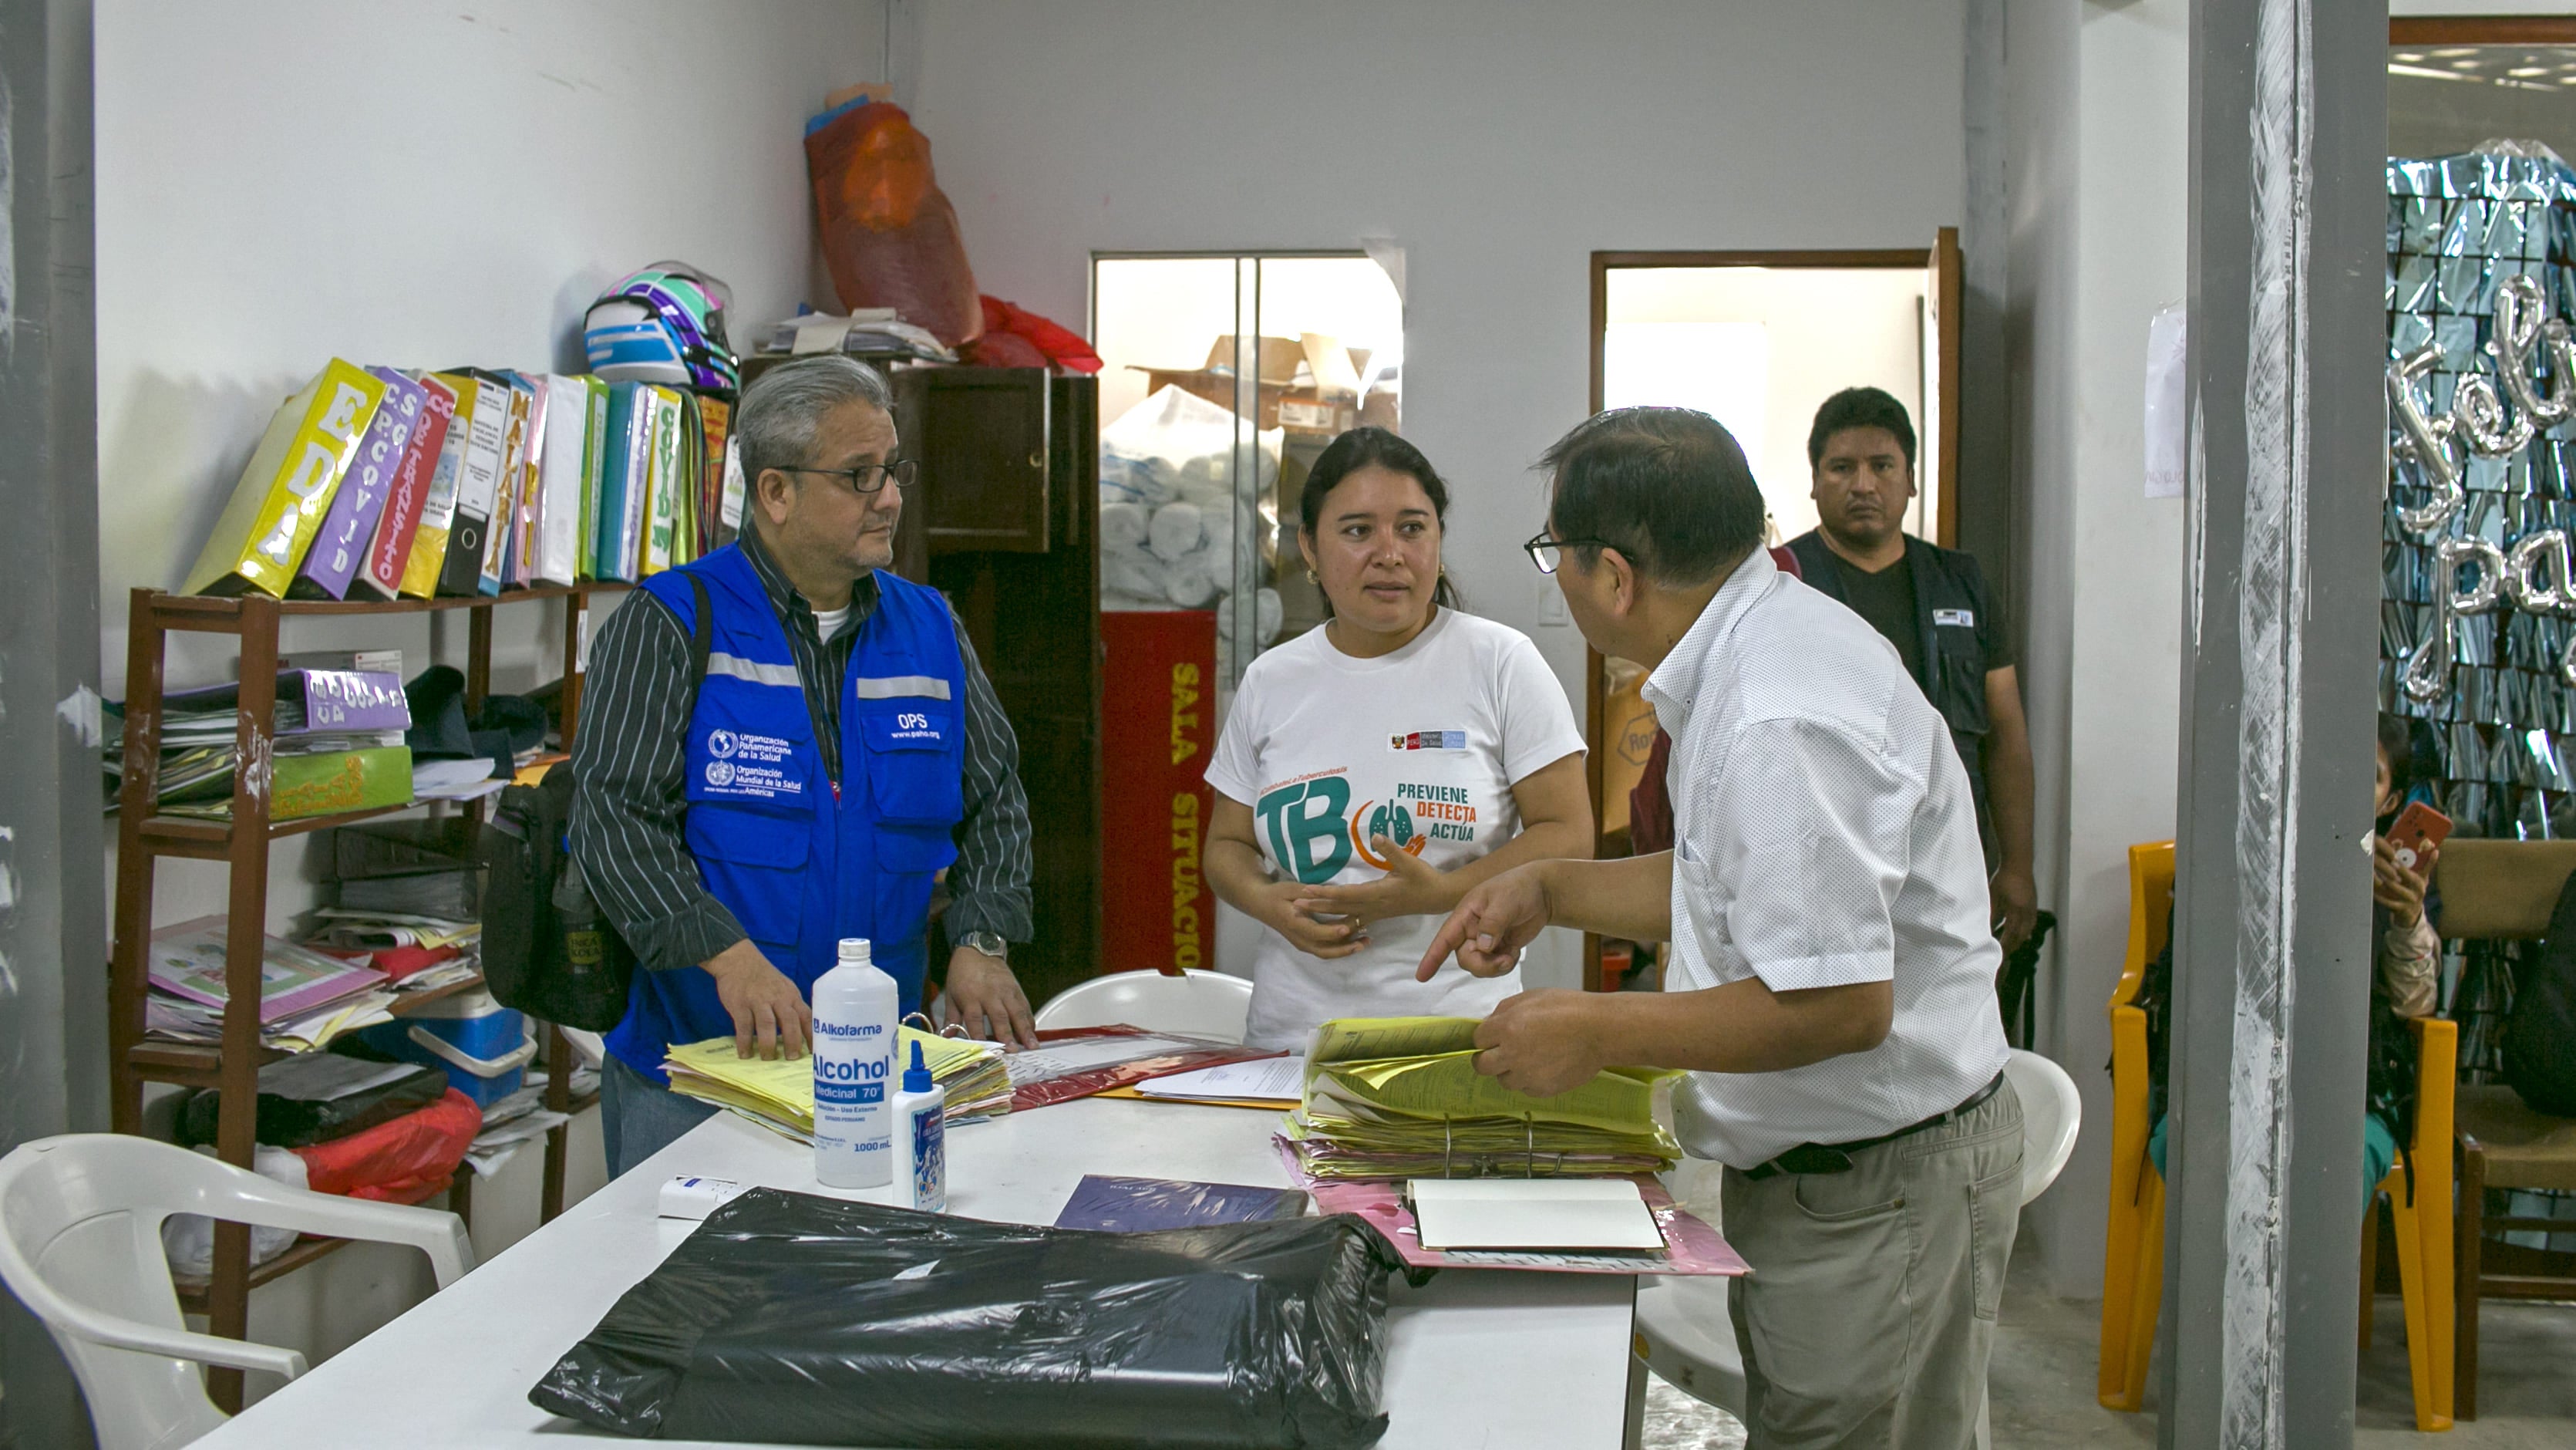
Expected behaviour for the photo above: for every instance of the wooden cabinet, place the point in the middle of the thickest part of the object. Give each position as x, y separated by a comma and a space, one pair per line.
983, 441
1034, 619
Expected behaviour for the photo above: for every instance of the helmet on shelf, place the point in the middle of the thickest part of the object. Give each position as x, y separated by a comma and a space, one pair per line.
664, 324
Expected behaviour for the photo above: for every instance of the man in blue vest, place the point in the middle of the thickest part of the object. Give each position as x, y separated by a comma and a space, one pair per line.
1931, 604
842, 750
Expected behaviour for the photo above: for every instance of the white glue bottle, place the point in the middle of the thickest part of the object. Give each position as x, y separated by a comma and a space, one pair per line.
854, 1019
921, 1139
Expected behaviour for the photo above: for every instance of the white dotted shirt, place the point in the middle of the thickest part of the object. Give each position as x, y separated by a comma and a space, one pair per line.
1823, 835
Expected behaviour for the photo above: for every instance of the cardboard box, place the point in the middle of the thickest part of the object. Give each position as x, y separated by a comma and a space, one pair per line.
1308, 384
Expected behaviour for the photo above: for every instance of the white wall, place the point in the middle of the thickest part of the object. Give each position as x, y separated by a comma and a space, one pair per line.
280, 181
1500, 145
285, 180
2098, 145
1828, 328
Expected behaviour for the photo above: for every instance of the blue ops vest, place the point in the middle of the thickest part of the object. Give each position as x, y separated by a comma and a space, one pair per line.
801, 864
1949, 594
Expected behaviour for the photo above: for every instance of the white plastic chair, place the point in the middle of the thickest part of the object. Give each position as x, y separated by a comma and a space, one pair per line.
80, 1245
1683, 1323
1202, 1004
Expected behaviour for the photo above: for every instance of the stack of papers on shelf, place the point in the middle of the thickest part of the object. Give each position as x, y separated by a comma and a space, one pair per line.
871, 331
779, 1094
416, 953
306, 998
455, 780
1400, 1097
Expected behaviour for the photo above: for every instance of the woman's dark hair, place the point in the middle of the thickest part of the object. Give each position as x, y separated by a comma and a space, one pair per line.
1374, 447
2397, 742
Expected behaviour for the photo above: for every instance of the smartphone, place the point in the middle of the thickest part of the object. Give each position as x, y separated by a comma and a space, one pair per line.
2418, 829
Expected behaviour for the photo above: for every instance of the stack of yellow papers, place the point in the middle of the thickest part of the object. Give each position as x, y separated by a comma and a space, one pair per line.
1400, 1097
779, 1094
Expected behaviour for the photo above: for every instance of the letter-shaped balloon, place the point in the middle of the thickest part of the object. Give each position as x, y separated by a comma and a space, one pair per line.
2428, 439
2428, 670
2523, 329
2480, 414
2546, 553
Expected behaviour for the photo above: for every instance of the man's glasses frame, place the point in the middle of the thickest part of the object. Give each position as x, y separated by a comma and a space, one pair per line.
902, 472
1548, 553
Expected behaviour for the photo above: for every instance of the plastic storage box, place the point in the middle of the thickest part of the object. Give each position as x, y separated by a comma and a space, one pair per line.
484, 1046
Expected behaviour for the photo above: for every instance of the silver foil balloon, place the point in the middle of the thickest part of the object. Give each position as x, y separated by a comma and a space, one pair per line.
2545, 553
2427, 440
2479, 412
2567, 662
2524, 333
2428, 670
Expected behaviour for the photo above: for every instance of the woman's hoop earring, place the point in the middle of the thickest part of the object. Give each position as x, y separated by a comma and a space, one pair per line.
1313, 578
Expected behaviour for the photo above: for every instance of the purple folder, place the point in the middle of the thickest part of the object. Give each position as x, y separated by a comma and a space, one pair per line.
334, 700
359, 501
1142, 1205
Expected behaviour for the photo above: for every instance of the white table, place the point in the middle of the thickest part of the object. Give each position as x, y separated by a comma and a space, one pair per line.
1475, 1358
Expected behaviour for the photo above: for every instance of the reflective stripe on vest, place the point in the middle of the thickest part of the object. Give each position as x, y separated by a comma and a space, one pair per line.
900, 687
754, 671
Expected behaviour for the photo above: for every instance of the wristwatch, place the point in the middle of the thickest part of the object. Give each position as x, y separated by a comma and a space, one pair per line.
989, 943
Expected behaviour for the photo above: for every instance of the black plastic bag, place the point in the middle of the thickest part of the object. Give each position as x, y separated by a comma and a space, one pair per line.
314, 1097
812, 1321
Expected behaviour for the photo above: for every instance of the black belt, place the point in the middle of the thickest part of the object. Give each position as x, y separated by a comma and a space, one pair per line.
1837, 1157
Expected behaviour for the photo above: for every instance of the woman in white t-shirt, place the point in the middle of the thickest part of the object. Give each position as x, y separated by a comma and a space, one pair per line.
1376, 767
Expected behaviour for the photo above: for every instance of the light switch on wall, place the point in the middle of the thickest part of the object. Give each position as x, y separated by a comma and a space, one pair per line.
1551, 605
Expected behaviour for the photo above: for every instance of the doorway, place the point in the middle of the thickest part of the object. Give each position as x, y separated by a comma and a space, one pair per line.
1757, 340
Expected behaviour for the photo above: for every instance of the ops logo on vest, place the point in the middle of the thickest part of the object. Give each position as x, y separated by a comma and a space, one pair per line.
751, 767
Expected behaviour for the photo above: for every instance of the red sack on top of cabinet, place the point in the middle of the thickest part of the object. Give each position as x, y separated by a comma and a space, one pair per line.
1015, 337
889, 235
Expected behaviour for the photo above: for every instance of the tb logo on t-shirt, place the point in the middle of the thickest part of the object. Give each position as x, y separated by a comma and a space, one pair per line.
1313, 831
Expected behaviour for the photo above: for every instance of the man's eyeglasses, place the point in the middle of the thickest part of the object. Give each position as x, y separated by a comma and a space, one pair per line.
1547, 553
869, 477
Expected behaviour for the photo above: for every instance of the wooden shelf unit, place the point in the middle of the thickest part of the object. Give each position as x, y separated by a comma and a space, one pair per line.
231, 1066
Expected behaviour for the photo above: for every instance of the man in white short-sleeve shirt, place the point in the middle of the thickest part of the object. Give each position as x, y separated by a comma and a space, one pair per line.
1832, 981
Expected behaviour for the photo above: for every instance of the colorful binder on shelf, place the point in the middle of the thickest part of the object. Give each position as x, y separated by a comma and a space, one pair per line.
436, 537
359, 502
380, 573
594, 466
351, 780
716, 421
625, 481
506, 489
478, 483
519, 556
563, 471
278, 505
664, 483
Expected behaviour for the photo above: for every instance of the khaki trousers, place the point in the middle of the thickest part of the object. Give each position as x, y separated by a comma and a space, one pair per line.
1870, 1310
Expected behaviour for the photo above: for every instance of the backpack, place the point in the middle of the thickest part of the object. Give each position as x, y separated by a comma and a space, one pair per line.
2540, 1031
548, 950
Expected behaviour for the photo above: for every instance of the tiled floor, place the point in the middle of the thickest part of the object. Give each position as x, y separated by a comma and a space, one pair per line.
2043, 1377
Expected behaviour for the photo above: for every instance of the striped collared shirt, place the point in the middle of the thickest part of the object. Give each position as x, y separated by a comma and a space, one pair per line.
630, 760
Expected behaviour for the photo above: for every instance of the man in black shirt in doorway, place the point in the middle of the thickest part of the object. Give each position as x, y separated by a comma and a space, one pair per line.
1931, 603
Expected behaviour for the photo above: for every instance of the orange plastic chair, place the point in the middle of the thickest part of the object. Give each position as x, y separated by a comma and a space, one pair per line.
2133, 1251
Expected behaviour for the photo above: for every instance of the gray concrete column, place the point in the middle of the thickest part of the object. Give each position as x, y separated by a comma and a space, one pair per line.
53, 916
2280, 637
